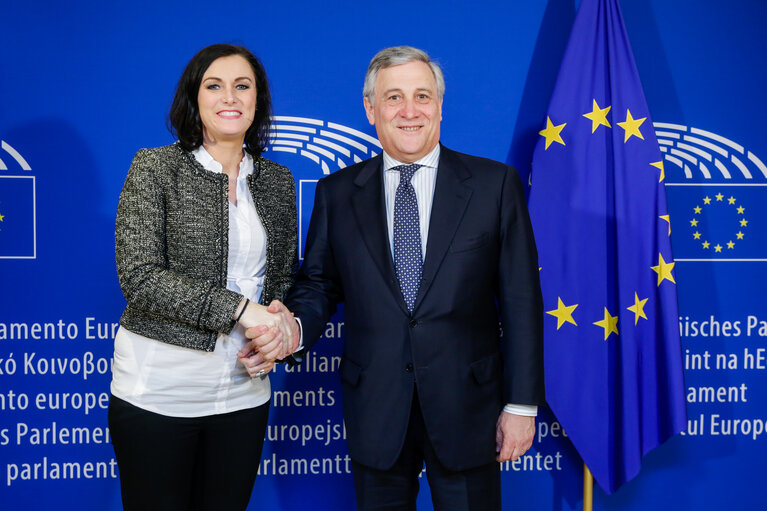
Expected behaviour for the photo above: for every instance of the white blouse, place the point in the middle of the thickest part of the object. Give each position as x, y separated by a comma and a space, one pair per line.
183, 382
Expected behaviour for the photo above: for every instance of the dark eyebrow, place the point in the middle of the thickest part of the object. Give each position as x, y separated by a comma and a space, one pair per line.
216, 78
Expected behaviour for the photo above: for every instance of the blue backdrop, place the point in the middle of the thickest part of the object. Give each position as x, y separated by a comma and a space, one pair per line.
84, 85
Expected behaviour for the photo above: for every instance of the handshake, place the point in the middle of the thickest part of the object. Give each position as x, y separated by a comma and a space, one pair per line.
273, 334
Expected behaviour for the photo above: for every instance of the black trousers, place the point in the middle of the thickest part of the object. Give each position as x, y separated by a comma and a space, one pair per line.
182, 464
396, 489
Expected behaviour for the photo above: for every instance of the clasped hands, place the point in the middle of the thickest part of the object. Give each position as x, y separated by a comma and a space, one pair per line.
273, 335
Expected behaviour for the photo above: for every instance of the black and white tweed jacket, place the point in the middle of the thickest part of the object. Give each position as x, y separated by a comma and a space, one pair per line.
171, 243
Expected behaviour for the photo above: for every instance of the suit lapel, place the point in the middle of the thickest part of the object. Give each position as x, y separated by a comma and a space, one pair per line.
451, 197
370, 212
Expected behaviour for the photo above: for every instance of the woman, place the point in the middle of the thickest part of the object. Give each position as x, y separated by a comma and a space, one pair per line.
205, 232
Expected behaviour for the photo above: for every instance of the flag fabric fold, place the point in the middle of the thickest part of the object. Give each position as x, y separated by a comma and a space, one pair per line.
612, 350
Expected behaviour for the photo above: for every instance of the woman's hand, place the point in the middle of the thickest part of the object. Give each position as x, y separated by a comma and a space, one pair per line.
274, 333
256, 314
256, 364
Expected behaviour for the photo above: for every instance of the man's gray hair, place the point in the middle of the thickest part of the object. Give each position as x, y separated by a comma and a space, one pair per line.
395, 56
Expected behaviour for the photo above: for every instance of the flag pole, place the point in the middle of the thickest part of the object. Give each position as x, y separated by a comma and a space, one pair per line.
588, 489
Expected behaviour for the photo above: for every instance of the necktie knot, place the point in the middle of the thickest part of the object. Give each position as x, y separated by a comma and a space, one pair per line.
406, 172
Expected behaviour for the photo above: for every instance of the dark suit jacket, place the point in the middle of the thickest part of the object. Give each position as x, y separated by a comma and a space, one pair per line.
481, 264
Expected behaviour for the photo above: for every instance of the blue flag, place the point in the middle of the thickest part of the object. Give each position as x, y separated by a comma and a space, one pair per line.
17, 217
612, 350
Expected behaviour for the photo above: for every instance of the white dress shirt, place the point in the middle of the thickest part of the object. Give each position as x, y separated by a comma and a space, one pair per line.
183, 382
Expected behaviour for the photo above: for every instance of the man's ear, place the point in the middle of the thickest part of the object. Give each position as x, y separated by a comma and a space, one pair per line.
369, 110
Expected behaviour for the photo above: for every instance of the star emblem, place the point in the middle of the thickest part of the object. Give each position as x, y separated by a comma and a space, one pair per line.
552, 133
659, 164
631, 126
638, 308
598, 116
563, 313
667, 218
609, 323
664, 270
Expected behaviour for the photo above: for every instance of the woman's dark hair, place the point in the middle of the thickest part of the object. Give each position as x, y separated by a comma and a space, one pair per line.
184, 116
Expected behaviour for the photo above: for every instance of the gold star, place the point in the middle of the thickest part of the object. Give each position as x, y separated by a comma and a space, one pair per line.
664, 269
706, 244
717, 248
719, 197
706, 200
1, 218
744, 222
694, 222
667, 218
631, 126
609, 323
730, 244
696, 209
563, 313
659, 164
552, 133
740, 235
598, 116
696, 235
638, 308
731, 200
741, 209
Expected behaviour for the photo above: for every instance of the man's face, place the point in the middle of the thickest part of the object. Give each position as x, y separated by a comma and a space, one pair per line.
406, 111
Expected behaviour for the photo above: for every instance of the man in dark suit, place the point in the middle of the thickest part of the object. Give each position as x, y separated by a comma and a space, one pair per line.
427, 248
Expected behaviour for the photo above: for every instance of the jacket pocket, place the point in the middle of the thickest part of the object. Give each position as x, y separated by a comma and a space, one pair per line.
487, 369
471, 243
350, 372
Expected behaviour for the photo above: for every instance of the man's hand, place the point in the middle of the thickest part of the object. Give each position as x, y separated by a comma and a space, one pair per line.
513, 436
275, 340
260, 323
288, 326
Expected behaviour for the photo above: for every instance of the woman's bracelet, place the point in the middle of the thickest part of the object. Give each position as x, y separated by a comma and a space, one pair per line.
247, 301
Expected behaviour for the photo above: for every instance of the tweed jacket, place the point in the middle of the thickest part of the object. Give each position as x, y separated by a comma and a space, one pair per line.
171, 244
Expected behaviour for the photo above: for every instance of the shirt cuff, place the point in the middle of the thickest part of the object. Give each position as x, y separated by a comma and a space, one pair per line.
525, 410
301, 338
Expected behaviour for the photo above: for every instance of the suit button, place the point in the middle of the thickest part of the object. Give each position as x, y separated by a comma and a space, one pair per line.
413, 323
409, 368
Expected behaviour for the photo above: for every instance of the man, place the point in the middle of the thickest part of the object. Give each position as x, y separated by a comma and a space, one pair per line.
427, 248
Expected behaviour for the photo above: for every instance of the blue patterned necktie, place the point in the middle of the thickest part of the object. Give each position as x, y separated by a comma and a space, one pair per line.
407, 236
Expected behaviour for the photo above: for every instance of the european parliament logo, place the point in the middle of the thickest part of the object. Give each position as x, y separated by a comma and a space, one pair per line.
313, 148
717, 191
18, 237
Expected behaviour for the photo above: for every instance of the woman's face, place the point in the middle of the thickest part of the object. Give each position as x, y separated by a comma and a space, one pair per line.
227, 99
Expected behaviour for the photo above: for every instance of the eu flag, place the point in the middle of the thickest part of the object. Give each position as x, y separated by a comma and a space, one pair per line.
17, 217
612, 350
